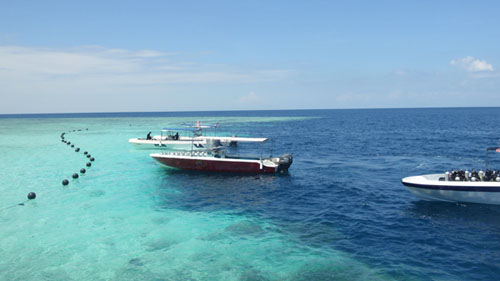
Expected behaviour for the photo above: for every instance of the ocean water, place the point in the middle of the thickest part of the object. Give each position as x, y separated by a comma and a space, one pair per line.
340, 214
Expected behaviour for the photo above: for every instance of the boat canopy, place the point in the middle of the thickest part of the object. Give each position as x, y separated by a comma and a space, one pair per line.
236, 139
180, 129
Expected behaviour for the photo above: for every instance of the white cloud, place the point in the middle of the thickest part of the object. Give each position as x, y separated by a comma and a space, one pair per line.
118, 66
400, 73
251, 98
49, 78
472, 64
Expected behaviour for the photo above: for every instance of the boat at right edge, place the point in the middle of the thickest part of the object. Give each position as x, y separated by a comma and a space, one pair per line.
458, 186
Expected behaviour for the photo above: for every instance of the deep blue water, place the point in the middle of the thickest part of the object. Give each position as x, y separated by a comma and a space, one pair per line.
343, 191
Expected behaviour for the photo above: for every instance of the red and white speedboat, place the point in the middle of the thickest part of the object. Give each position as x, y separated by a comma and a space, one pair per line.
216, 159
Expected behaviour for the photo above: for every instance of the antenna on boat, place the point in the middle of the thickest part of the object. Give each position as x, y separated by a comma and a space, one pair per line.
486, 159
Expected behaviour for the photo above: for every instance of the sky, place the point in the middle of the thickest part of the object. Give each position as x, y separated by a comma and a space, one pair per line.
119, 56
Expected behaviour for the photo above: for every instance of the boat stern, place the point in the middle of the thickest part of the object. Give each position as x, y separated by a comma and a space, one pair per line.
283, 162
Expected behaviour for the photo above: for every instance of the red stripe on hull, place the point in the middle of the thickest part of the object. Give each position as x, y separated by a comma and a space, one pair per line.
214, 165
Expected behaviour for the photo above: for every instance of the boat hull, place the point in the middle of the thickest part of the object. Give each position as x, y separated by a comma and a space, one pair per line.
211, 164
429, 187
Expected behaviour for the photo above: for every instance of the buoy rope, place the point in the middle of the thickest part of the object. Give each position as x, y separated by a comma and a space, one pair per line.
18, 204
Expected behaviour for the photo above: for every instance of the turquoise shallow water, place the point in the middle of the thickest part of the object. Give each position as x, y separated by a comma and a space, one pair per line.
113, 224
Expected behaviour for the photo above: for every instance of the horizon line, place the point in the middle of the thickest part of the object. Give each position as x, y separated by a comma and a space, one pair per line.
243, 110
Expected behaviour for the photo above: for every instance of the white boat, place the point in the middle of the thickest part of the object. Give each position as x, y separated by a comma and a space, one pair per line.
170, 139
434, 187
458, 186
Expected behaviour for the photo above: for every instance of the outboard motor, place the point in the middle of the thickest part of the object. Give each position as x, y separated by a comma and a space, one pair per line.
284, 163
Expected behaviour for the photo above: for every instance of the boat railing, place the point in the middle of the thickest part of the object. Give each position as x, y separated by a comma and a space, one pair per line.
188, 153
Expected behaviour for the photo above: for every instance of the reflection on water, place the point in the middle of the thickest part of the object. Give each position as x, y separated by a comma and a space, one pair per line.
478, 216
208, 191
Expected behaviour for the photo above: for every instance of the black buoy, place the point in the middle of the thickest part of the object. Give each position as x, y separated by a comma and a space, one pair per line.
88, 164
88, 155
68, 142
85, 152
31, 195
92, 159
72, 145
82, 170
65, 182
75, 175
77, 149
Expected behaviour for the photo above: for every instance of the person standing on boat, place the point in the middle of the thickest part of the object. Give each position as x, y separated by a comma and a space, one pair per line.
148, 137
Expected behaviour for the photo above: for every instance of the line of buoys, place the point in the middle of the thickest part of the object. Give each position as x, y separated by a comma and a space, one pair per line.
86, 153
